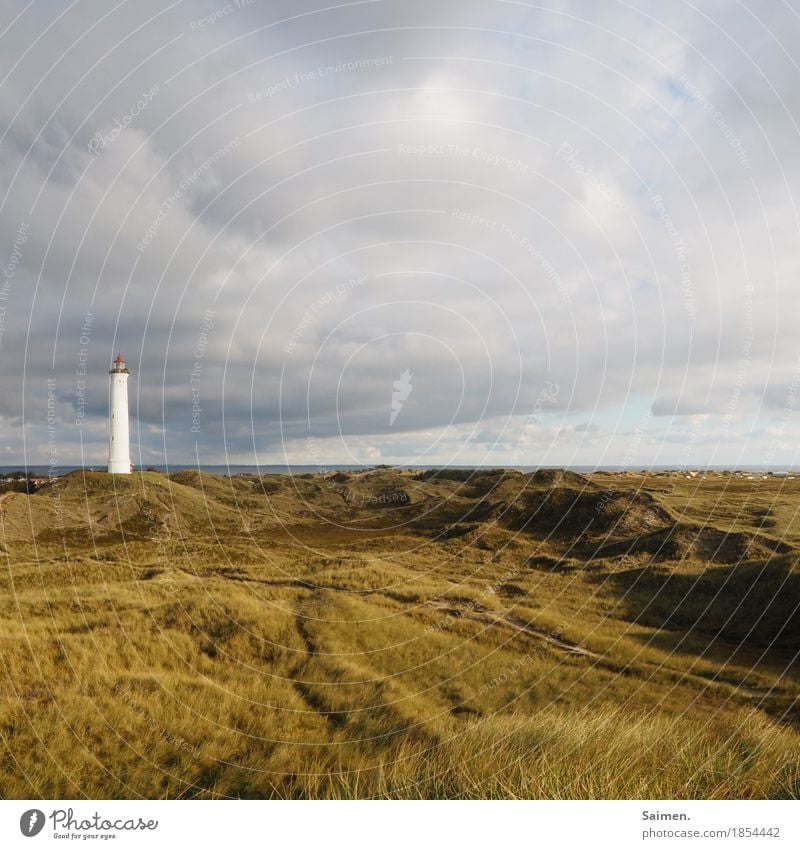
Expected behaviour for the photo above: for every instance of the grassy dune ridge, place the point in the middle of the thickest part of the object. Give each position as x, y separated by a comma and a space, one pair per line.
392, 634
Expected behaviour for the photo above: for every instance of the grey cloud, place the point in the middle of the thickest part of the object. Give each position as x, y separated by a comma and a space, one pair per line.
436, 168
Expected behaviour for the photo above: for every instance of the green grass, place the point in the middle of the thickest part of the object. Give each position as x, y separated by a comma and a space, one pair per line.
204, 637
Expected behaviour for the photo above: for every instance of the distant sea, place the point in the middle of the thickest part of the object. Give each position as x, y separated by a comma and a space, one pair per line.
45, 471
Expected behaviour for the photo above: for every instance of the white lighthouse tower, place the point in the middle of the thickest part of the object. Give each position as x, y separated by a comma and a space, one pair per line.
119, 452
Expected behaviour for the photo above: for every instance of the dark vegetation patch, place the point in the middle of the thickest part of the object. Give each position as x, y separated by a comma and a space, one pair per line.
560, 477
564, 512
690, 542
268, 486
456, 531
21, 484
388, 499
545, 563
747, 603
459, 475
762, 518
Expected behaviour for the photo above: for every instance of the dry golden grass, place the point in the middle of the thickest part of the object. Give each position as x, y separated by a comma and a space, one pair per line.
209, 637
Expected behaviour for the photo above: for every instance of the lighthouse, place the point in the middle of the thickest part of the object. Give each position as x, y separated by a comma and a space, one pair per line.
119, 451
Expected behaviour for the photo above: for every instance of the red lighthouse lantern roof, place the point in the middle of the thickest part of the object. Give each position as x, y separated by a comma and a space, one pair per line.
119, 359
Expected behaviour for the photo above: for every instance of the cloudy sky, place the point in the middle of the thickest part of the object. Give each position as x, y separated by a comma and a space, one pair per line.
399, 231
